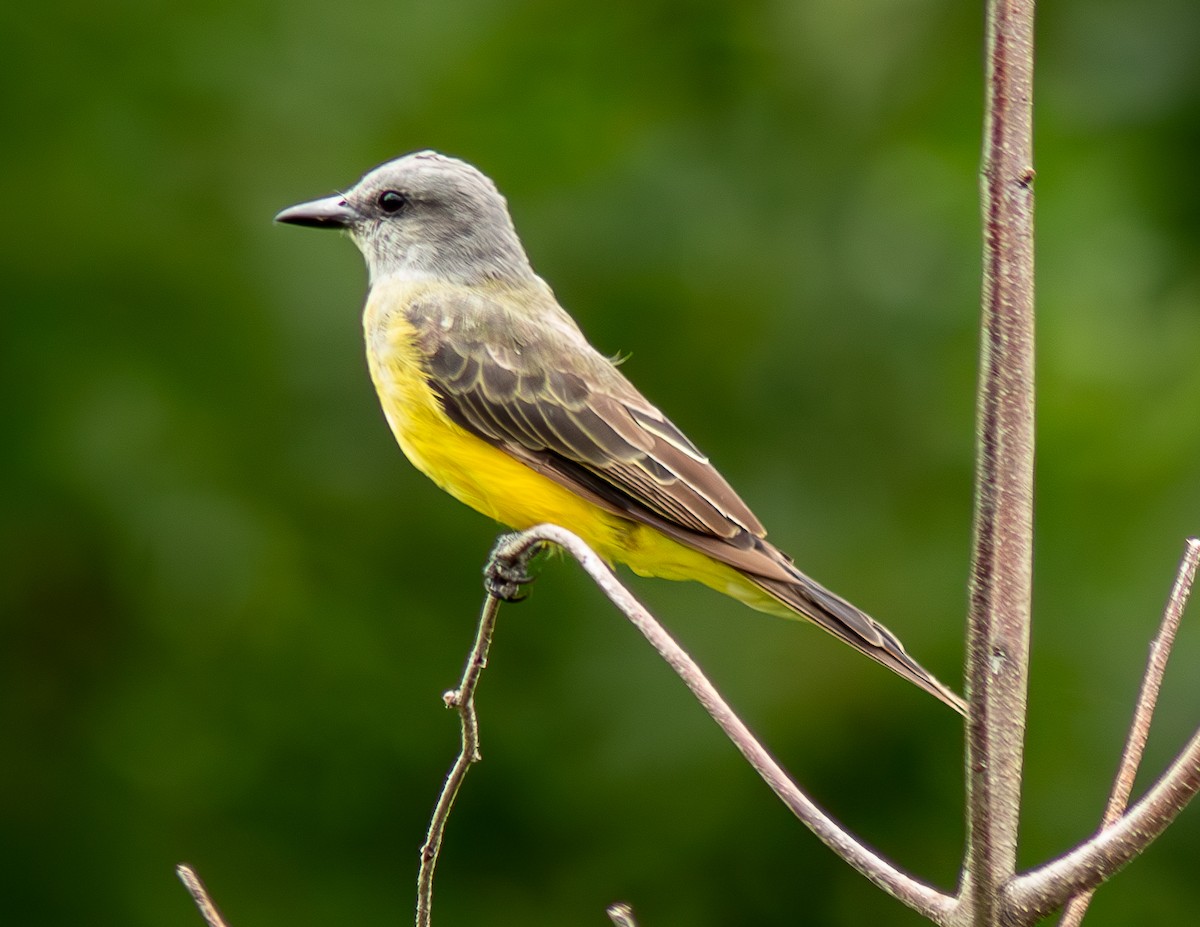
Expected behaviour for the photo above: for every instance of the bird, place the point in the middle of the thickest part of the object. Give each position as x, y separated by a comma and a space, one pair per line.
493, 391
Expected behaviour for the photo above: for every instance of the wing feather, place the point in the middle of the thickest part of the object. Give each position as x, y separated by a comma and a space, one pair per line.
544, 392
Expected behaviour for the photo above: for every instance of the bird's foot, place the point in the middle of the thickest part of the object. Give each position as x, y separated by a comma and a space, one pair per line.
507, 569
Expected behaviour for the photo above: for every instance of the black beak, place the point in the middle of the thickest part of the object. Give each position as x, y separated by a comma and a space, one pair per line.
330, 213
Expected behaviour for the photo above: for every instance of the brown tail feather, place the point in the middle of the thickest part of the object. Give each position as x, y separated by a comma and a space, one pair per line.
763, 564
856, 628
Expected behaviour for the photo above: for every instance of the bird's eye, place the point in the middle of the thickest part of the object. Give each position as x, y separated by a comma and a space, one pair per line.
392, 201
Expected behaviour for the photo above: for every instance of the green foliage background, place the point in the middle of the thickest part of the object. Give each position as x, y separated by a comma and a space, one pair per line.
229, 606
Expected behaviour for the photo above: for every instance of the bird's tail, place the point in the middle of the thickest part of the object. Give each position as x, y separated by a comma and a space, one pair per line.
862, 632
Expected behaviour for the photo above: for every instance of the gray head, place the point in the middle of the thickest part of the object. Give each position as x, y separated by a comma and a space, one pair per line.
424, 215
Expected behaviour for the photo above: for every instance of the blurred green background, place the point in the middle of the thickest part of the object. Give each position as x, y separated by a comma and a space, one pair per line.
229, 606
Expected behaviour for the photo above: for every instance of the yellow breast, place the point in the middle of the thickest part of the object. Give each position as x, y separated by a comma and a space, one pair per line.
467, 467
492, 482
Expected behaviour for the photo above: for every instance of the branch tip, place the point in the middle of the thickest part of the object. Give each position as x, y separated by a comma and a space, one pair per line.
621, 914
200, 896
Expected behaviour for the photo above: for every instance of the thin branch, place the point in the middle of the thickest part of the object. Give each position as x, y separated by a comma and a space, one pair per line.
462, 700
208, 910
917, 895
1002, 554
1035, 894
1041, 891
1139, 729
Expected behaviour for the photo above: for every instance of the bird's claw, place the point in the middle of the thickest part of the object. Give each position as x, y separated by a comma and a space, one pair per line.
507, 570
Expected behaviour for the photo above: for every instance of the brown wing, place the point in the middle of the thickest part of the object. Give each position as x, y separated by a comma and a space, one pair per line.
543, 394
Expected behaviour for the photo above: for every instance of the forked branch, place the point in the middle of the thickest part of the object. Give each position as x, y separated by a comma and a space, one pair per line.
1123, 836
1143, 713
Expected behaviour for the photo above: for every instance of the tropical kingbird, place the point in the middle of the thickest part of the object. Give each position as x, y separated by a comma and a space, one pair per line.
493, 392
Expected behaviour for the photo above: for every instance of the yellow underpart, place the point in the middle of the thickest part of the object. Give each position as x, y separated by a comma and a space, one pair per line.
491, 482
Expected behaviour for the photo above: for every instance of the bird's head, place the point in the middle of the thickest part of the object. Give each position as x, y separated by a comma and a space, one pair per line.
424, 215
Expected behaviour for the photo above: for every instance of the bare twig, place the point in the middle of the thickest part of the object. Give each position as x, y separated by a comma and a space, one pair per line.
462, 700
208, 910
1139, 729
1002, 556
917, 895
1039, 892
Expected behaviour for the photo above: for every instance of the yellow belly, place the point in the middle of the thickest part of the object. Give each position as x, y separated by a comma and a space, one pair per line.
499, 486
